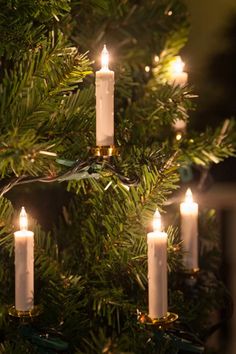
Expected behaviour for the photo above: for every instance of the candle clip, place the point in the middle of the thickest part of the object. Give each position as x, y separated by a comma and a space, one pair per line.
161, 323
105, 151
25, 316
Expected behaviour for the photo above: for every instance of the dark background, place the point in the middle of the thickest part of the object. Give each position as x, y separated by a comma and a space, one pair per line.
210, 57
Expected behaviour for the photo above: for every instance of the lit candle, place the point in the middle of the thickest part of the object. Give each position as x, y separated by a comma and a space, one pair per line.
24, 265
177, 73
178, 77
189, 231
157, 270
104, 103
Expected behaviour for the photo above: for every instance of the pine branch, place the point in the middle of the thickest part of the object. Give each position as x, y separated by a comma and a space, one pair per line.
32, 101
209, 147
6, 213
25, 24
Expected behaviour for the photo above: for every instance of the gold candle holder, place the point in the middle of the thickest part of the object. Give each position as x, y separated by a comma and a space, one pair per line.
192, 272
161, 323
25, 316
105, 151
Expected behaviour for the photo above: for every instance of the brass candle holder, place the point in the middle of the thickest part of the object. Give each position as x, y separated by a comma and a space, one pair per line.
192, 272
105, 151
160, 323
25, 316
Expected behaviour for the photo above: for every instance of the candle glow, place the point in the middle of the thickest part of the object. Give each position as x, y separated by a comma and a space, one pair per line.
23, 220
157, 221
177, 66
189, 196
177, 74
105, 58
189, 206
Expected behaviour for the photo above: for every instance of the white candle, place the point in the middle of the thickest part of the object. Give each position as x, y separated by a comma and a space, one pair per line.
105, 103
189, 231
178, 77
157, 270
24, 265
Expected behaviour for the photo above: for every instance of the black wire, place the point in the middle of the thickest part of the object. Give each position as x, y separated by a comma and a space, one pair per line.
76, 168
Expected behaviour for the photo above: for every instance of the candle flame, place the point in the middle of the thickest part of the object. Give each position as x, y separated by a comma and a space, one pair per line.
23, 220
105, 58
188, 196
177, 66
157, 221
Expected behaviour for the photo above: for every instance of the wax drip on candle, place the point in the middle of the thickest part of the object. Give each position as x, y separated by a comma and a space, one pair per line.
177, 66
23, 220
105, 58
157, 221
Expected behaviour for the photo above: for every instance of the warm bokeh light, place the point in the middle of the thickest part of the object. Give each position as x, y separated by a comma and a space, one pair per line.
177, 66
23, 220
178, 136
105, 58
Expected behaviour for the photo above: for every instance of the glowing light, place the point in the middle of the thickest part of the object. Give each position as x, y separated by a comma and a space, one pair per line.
105, 58
157, 221
178, 136
147, 68
177, 66
189, 196
23, 220
170, 13
188, 207
156, 58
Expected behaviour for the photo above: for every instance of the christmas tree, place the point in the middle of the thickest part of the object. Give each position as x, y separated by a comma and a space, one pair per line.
90, 261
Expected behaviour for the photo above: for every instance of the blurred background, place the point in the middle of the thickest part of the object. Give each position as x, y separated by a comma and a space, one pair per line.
210, 57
